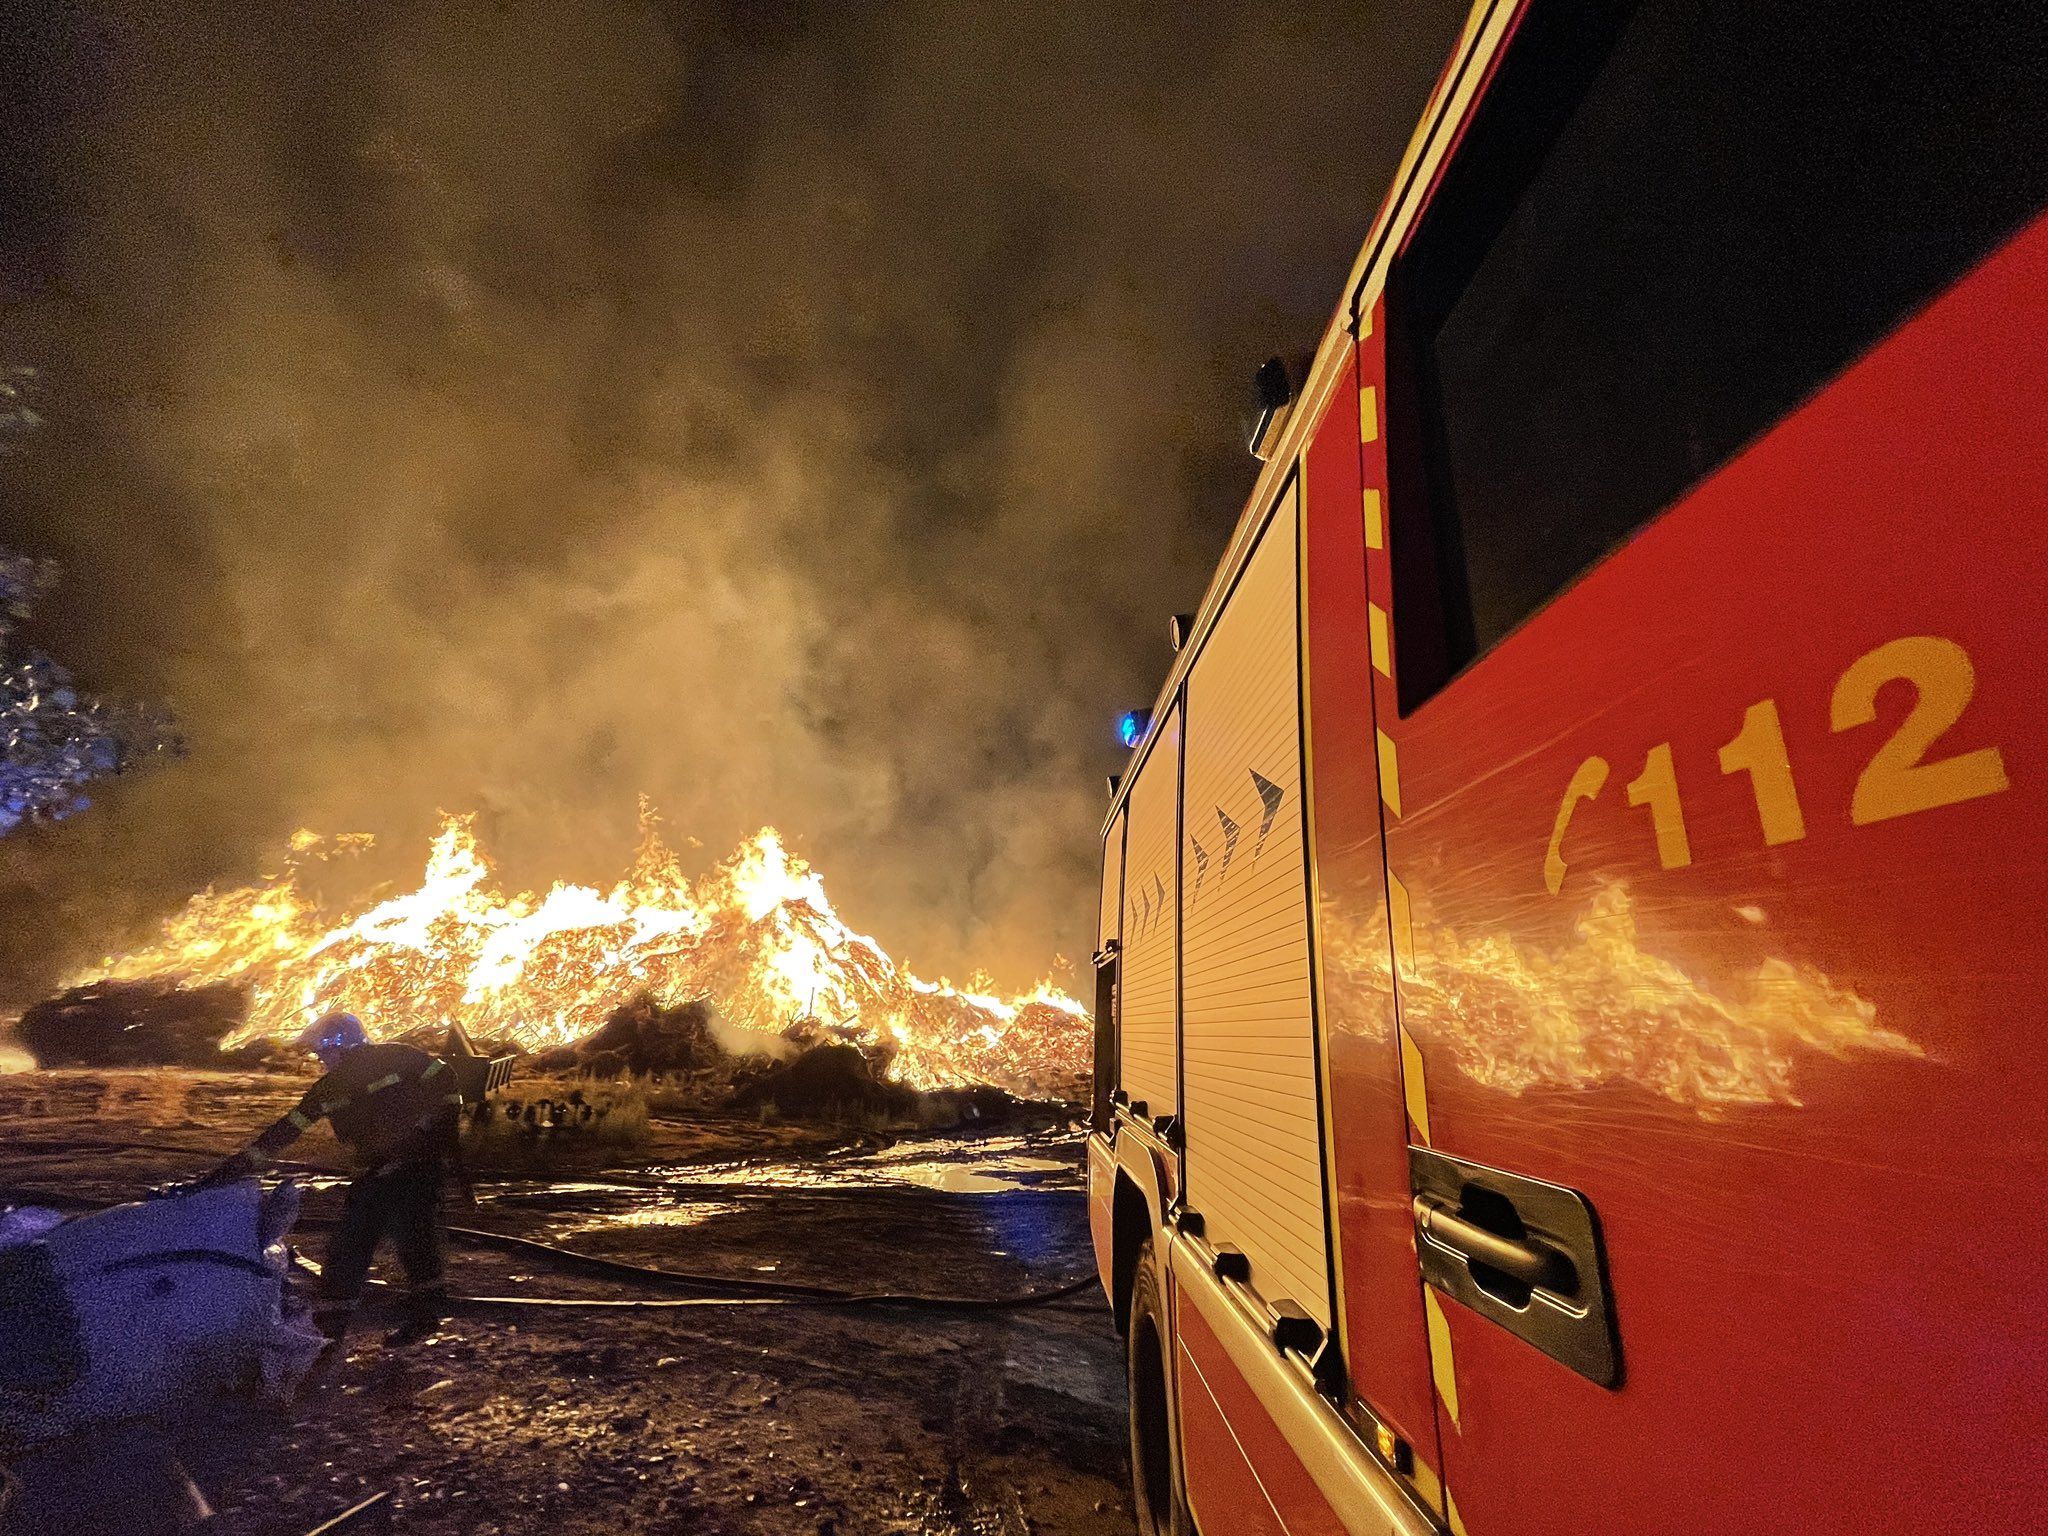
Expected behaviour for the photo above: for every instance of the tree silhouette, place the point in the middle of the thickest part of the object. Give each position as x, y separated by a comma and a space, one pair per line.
54, 738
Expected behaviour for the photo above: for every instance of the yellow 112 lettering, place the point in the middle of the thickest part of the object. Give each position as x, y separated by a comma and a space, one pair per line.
1898, 780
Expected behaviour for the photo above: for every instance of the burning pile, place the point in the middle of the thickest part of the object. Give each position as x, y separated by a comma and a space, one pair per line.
756, 938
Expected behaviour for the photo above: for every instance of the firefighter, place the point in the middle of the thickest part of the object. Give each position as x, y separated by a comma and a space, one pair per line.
397, 1110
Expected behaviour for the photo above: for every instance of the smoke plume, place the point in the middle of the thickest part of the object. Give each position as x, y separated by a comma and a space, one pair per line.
798, 413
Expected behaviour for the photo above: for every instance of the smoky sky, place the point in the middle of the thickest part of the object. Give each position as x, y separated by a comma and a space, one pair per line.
797, 413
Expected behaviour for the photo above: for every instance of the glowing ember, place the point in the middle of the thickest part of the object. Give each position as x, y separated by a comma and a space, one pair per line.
756, 936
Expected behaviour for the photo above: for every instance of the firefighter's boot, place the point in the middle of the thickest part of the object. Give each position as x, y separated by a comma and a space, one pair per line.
424, 1311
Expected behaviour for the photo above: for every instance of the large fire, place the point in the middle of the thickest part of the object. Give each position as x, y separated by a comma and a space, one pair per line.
756, 937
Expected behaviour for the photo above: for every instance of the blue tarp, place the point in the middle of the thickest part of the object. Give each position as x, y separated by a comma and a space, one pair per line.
139, 1308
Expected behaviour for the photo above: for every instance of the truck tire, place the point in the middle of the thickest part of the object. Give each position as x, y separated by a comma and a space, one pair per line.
1155, 1449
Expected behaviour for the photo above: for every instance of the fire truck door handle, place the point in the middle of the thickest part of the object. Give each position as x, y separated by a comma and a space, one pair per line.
1523, 1253
1527, 1263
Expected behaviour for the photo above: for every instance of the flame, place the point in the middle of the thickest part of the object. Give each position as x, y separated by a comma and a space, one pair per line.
756, 936
1601, 1009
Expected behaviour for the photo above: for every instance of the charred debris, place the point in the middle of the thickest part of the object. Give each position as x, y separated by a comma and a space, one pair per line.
810, 1071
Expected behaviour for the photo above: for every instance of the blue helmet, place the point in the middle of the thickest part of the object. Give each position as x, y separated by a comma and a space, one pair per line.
332, 1034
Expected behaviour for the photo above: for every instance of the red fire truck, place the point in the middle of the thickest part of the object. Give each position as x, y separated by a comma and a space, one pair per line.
1571, 1052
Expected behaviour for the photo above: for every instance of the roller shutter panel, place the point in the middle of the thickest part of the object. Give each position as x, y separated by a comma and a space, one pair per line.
1254, 1152
1152, 925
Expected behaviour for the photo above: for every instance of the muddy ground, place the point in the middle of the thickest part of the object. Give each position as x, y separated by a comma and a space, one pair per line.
707, 1418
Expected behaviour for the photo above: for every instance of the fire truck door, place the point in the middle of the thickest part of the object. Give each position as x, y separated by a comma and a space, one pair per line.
1715, 781
1385, 1355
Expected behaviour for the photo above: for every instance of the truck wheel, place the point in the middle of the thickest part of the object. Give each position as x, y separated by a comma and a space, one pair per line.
1155, 1459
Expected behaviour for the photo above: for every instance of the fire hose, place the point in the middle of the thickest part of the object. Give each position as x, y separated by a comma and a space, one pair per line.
749, 1292
767, 1293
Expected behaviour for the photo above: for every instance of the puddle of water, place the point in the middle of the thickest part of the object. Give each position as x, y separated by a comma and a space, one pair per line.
978, 1179
674, 1196
990, 1165
687, 1214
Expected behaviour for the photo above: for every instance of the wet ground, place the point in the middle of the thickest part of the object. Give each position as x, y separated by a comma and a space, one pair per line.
699, 1418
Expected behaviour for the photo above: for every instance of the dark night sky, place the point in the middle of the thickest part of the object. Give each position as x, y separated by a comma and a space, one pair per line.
800, 413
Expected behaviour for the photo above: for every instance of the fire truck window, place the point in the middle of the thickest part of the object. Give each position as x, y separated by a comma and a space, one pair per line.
1668, 226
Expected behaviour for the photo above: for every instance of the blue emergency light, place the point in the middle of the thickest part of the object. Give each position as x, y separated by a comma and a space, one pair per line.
1130, 730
